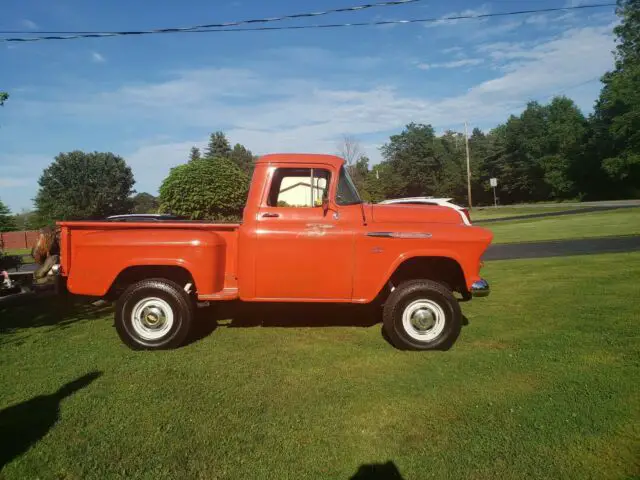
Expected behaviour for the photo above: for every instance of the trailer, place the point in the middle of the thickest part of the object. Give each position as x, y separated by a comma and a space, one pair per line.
19, 285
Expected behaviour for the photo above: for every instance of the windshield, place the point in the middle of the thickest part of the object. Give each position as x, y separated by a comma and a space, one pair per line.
347, 193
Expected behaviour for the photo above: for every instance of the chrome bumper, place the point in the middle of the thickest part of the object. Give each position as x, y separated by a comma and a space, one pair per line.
480, 288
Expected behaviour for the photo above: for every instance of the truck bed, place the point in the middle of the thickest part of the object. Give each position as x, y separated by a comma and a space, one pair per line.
95, 254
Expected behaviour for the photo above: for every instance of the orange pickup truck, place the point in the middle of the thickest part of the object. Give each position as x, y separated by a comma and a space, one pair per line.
306, 236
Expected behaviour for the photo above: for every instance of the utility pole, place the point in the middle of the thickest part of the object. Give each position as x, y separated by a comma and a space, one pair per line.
466, 140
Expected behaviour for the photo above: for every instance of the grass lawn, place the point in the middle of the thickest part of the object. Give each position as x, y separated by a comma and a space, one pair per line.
25, 253
582, 225
485, 213
19, 251
541, 384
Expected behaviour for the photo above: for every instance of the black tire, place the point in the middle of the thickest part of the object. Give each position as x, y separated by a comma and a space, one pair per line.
171, 296
447, 328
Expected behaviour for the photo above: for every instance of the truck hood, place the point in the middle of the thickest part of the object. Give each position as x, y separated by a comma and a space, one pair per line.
413, 214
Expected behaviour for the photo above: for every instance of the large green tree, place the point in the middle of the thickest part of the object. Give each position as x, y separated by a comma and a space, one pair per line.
144, 202
616, 118
359, 172
243, 158
205, 190
7, 221
563, 147
383, 183
79, 185
218, 146
194, 154
453, 174
535, 155
415, 156
26, 220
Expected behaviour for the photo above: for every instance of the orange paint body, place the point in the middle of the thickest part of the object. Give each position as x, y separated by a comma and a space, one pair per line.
330, 253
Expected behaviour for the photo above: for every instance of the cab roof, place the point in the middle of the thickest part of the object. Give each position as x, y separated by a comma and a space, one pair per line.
332, 160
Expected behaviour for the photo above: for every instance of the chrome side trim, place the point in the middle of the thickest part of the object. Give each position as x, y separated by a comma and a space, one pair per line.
480, 288
399, 234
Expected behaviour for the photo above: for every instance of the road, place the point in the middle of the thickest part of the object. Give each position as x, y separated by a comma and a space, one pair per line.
562, 248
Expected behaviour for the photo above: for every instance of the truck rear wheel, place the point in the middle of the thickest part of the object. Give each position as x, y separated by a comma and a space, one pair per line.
422, 315
154, 314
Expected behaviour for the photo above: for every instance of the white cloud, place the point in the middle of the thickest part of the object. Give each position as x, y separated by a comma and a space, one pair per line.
543, 20
273, 108
554, 64
482, 10
30, 24
475, 29
465, 62
97, 57
496, 29
452, 50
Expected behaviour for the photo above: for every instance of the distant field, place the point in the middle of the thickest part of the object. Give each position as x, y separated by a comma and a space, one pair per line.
19, 251
541, 384
486, 213
583, 225
24, 252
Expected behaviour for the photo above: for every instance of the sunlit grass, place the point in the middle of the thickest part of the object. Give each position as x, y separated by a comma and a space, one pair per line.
583, 225
542, 383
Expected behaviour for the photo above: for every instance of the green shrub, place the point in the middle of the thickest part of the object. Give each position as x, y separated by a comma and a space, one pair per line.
205, 189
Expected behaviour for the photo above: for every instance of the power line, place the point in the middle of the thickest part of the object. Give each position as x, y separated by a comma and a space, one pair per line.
355, 8
197, 29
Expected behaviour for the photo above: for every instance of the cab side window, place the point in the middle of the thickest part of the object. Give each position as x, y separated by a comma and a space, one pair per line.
298, 187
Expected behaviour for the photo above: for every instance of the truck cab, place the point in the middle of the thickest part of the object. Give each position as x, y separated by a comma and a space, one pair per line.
306, 236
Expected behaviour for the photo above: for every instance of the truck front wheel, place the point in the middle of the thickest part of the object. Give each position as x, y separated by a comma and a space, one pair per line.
422, 315
154, 314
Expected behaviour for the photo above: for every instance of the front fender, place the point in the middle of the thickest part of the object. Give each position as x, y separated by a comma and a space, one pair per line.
379, 256
437, 253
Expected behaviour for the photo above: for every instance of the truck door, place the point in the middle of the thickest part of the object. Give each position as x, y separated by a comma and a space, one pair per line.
303, 252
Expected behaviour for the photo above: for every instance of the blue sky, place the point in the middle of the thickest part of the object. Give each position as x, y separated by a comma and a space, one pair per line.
151, 98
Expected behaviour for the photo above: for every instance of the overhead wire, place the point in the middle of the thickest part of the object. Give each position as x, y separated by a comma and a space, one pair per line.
200, 29
293, 16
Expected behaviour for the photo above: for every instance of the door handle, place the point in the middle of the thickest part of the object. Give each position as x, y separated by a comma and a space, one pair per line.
270, 215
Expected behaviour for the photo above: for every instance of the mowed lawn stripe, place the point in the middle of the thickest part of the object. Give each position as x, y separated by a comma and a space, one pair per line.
581, 225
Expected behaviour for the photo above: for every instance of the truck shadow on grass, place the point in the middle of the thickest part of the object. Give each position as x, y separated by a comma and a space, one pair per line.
24, 424
286, 315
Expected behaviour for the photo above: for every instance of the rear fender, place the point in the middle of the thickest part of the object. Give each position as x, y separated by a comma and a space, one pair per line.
98, 257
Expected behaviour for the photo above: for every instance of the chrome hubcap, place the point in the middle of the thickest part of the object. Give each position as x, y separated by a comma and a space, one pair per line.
423, 320
152, 318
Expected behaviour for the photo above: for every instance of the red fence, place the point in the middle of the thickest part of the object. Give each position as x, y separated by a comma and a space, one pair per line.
15, 240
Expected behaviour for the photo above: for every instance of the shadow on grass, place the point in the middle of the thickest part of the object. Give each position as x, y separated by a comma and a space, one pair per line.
24, 424
378, 471
58, 311
243, 315
248, 315
294, 315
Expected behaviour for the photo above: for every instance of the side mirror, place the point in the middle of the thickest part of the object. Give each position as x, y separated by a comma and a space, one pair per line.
325, 204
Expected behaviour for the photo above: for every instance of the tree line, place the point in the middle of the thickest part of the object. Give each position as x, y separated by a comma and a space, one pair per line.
548, 152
